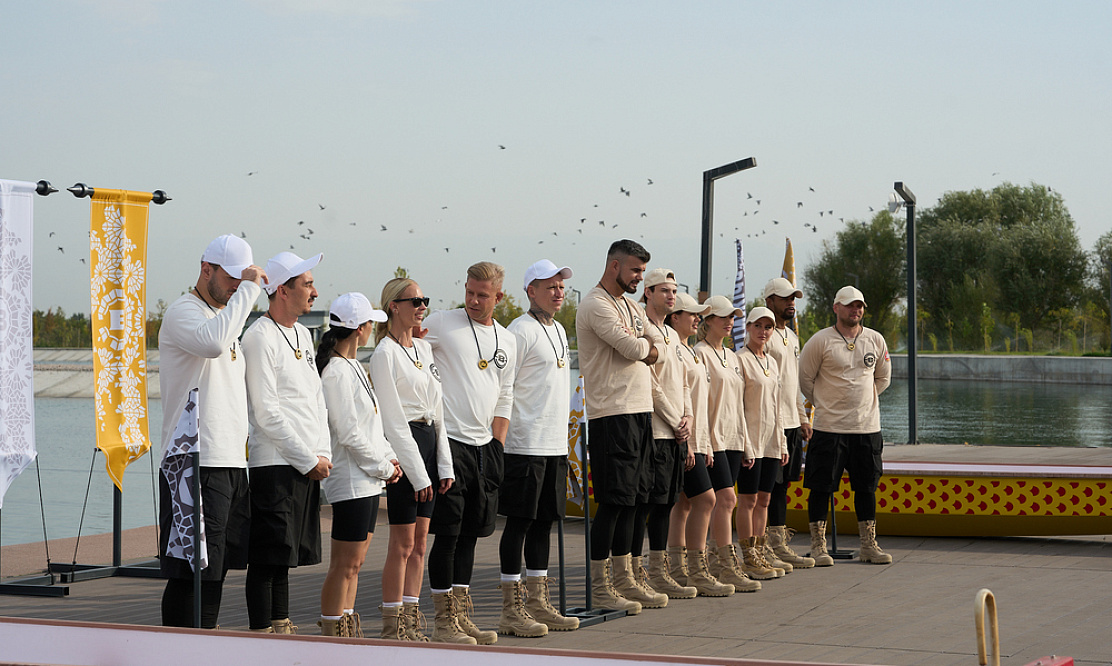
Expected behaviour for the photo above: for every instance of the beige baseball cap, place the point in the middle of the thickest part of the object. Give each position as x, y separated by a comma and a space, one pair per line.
720, 306
781, 287
849, 294
760, 313
685, 302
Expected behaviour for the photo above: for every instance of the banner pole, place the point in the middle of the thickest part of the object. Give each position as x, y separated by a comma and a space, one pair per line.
196, 456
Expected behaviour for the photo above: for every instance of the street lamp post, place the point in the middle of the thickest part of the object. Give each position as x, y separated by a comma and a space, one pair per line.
912, 315
708, 216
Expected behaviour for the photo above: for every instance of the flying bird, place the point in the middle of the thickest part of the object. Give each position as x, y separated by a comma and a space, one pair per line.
82, 260
811, 188
871, 209
644, 215
650, 181
321, 206
776, 221
351, 224
750, 196
243, 234
799, 204
62, 250
623, 190
806, 224
51, 234
383, 227
602, 223
614, 226
300, 222
443, 208
540, 242
815, 229
252, 173
445, 249
493, 250
501, 147
821, 213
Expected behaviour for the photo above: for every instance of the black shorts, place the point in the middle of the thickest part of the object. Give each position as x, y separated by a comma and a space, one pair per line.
666, 471
619, 447
696, 480
727, 465
285, 517
401, 506
761, 477
470, 506
828, 454
794, 468
354, 519
226, 506
534, 487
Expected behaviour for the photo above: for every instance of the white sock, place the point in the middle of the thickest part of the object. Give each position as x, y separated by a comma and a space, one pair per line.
332, 617
511, 578
391, 604
349, 611
436, 591
461, 587
536, 573
411, 600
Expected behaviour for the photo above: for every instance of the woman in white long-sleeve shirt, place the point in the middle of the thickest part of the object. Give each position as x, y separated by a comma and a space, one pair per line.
362, 461
409, 393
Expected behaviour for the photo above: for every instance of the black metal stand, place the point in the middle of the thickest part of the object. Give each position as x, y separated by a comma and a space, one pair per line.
587, 615
72, 573
41, 585
834, 552
196, 456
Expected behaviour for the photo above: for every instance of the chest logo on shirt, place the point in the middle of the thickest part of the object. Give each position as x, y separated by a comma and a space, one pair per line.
638, 325
309, 359
435, 371
870, 359
500, 359
679, 354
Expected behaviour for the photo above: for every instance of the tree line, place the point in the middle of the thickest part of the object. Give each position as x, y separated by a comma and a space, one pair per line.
997, 270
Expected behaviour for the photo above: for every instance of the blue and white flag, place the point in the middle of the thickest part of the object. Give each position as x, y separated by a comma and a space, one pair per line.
739, 298
177, 467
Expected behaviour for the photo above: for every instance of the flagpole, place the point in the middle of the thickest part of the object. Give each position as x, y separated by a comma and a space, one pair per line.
196, 456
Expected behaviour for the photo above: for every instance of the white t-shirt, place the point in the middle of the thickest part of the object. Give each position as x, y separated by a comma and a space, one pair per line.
473, 397
408, 393
199, 348
360, 453
289, 421
542, 389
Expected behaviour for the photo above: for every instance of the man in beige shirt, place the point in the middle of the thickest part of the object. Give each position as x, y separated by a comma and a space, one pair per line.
842, 371
616, 348
780, 295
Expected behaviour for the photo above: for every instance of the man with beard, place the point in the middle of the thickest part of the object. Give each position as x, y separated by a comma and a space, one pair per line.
842, 371
290, 448
199, 348
780, 295
616, 348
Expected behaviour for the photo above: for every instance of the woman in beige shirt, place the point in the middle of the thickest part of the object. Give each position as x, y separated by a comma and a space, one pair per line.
766, 445
726, 422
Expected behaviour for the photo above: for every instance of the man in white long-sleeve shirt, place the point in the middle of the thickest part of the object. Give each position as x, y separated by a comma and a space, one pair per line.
289, 447
476, 357
199, 349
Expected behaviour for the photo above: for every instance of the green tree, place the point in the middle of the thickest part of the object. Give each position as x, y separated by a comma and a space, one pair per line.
870, 256
400, 272
1096, 301
566, 316
1016, 245
507, 310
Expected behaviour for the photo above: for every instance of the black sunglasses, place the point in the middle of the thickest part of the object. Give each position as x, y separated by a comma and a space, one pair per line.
417, 302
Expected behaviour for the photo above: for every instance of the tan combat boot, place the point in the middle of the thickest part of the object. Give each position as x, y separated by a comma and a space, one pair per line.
463, 614
818, 545
661, 580
283, 626
336, 628
626, 583
870, 549
603, 594
752, 564
704, 583
779, 537
538, 606
413, 623
446, 627
392, 622
758, 547
731, 571
354, 625
770, 556
515, 620
677, 564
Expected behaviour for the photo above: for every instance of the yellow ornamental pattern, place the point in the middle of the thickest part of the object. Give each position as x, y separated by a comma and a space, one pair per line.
118, 253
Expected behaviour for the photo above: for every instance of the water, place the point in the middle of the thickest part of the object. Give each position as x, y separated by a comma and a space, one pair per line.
950, 412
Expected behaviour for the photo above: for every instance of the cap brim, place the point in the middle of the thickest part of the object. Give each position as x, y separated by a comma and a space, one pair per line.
306, 265
378, 316
235, 271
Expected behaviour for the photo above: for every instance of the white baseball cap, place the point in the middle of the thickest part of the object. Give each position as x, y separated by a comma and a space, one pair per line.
285, 265
685, 302
229, 252
848, 294
760, 313
782, 288
720, 306
544, 269
351, 310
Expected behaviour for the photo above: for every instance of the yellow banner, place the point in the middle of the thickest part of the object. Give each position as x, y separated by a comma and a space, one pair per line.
118, 255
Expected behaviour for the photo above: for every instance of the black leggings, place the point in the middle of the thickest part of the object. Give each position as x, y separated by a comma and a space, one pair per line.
177, 603
268, 594
451, 560
653, 519
612, 531
864, 503
533, 535
778, 506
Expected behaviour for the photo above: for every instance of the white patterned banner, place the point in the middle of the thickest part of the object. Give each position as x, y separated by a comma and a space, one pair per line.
577, 420
738, 333
17, 385
177, 467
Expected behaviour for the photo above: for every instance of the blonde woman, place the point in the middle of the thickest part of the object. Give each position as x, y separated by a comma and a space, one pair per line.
727, 434
766, 446
408, 388
690, 517
362, 461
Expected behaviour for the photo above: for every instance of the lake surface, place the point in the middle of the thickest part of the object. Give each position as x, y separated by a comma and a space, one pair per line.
950, 412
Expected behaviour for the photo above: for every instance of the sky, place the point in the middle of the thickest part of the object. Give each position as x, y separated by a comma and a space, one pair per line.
507, 131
